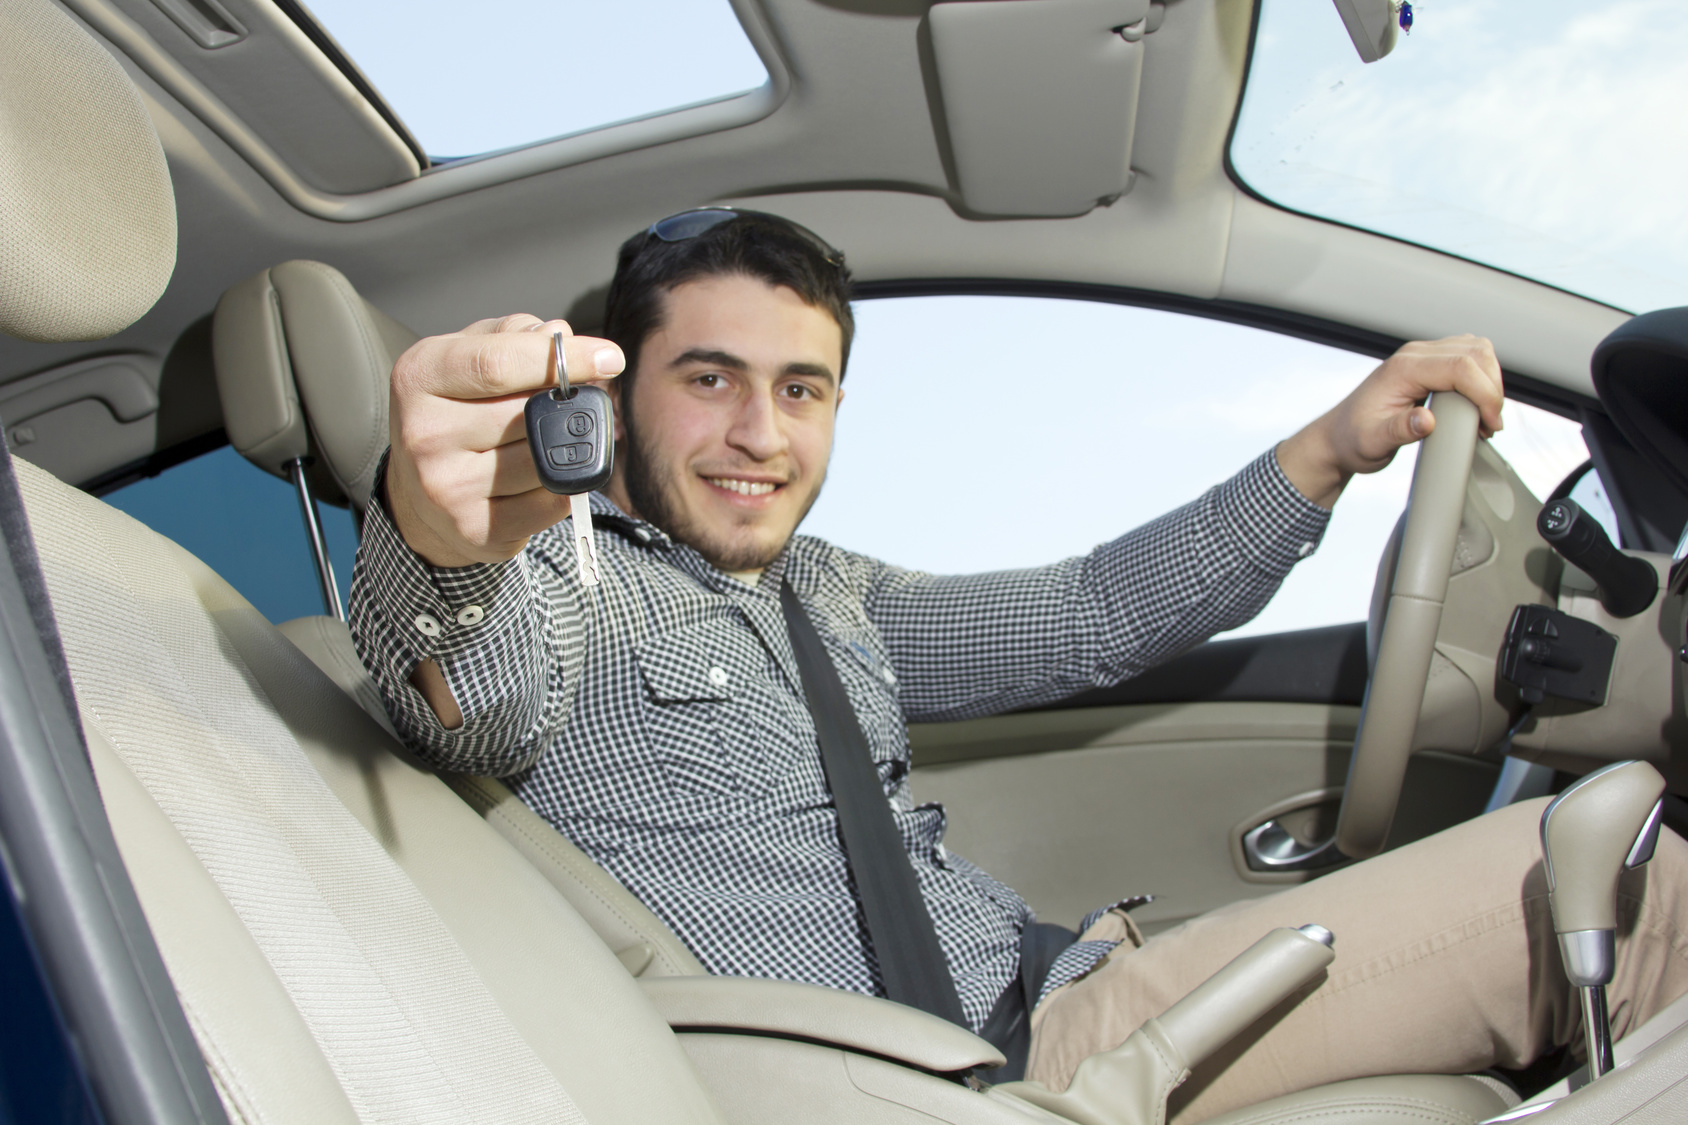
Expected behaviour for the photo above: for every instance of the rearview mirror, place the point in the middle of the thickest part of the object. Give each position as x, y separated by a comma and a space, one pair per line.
1372, 25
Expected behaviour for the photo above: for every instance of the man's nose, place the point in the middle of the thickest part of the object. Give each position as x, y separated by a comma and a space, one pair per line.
756, 430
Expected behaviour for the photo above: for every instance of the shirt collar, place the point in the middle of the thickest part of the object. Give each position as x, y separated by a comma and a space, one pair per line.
605, 512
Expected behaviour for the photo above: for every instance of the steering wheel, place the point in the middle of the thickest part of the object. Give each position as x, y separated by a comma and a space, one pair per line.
1413, 613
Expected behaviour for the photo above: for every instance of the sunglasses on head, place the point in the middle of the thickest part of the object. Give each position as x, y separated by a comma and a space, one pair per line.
690, 224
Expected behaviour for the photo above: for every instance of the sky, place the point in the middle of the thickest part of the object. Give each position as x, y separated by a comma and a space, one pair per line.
953, 457
468, 79
1545, 138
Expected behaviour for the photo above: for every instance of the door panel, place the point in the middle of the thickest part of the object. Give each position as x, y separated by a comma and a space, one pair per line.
1079, 808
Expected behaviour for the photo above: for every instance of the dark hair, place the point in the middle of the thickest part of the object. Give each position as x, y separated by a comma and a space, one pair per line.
766, 247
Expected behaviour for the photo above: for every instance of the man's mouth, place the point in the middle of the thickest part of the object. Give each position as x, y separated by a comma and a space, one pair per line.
743, 487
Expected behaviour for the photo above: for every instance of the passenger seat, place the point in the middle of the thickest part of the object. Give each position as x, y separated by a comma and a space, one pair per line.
349, 940
303, 367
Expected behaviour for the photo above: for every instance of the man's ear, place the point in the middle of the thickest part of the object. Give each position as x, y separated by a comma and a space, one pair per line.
613, 389
839, 401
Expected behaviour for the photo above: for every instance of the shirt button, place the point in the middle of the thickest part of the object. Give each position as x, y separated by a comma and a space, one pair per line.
1306, 549
644, 536
470, 615
718, 676
428, 626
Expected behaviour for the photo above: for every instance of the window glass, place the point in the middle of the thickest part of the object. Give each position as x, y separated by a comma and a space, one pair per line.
245, 525
1543, 138
474, 78
982, 433
1589, 493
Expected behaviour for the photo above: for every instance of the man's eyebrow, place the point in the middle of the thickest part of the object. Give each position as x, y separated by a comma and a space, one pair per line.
711, 358
812, 370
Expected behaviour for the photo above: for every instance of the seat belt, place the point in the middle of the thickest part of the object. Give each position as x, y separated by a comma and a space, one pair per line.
1009, 1026
899, 927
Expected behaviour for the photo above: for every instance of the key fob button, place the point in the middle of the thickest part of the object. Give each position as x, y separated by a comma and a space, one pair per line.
567, 456
580, 424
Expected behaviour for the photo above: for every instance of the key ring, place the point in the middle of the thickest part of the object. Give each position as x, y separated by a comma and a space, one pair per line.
561, 391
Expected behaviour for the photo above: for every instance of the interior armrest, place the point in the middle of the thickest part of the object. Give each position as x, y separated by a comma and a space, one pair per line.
826, 1015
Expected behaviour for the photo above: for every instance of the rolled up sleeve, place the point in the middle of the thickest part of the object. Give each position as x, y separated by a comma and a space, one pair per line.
507, 637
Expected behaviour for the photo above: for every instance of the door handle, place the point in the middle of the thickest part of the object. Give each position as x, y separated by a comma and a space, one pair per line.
1270, 847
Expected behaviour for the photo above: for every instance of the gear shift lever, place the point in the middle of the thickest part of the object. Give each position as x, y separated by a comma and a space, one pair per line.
1605, 824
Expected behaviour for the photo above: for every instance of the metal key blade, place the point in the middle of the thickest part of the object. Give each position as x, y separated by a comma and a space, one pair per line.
585, 545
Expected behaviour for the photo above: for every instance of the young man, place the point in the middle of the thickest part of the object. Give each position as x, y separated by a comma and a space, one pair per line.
660, 722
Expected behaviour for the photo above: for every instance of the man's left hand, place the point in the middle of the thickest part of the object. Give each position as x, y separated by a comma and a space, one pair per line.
1364, 431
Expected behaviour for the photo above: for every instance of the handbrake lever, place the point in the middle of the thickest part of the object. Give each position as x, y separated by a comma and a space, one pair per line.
1130, 1083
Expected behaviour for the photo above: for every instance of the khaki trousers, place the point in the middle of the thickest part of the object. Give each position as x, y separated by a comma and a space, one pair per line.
1446, 963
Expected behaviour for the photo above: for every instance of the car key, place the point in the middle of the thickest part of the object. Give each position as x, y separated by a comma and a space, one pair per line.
571, 435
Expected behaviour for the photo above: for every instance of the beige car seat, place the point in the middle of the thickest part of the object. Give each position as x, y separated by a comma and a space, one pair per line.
303, 365
347, 938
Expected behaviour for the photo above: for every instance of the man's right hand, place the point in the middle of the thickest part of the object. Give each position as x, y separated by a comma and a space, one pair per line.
461, 486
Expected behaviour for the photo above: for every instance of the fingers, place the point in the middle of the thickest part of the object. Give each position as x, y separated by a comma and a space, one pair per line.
1466, 364
493, 358
443, 427
479, 513
505, 471
1387, 410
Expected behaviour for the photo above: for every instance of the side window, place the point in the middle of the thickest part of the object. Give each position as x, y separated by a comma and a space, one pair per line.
245, 525
982, 433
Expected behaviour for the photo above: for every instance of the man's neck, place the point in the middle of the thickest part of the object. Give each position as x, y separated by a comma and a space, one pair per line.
748, 577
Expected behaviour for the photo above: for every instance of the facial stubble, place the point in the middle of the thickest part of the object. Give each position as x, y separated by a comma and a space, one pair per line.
654, 486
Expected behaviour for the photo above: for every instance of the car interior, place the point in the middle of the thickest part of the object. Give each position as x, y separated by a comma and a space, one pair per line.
243, 899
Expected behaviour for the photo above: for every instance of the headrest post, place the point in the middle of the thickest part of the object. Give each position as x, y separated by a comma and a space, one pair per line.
319, 540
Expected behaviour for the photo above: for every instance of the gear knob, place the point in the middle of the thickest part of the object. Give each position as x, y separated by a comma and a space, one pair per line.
1594, 831
1591, 834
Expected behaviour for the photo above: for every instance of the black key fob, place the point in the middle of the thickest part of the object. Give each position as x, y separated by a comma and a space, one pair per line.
571, 434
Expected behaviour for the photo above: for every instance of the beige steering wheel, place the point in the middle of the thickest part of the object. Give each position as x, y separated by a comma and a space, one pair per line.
1395, 691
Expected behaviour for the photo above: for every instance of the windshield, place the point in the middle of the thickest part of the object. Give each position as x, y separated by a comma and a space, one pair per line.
476, 78
1548, 139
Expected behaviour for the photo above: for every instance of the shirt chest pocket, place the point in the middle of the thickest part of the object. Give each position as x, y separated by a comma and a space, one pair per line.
714, 719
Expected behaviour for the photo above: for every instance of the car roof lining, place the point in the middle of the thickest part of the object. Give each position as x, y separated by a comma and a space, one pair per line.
857, 150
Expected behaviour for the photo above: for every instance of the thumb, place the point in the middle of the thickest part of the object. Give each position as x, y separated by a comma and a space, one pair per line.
1412, 424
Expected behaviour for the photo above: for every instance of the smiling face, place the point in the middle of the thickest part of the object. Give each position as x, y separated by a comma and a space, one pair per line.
730, 425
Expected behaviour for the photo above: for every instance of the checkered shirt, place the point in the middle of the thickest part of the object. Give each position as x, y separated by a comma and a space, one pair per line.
658, 720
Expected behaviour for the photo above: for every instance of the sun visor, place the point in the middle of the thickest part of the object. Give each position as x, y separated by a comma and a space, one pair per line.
1641, 375
1040, 97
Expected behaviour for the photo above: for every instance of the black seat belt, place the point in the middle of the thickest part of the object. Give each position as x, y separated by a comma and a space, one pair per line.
905, 942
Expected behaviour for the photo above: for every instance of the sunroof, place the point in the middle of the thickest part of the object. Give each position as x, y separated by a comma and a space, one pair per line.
1547, 139
471, 78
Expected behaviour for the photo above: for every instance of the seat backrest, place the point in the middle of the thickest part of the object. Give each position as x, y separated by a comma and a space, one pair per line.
303, 367
350, 941
639, 938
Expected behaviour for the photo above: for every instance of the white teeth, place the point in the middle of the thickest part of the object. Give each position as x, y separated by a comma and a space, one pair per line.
742, 487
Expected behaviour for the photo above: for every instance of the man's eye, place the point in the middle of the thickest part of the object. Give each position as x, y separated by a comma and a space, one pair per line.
709, 380
798, 390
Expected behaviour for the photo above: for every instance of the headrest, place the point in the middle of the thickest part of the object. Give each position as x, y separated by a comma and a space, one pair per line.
87, 217
1641, 375
303, 366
